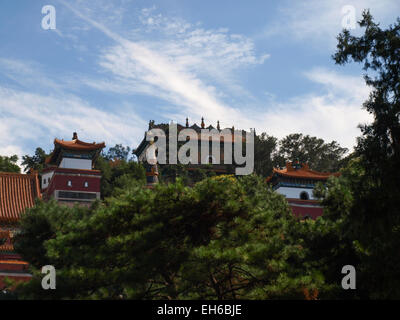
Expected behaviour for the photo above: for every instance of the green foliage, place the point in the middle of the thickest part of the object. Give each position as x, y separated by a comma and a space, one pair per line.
319, 155
264, 152
118, 174
9, 164
118, 152
35, 162
365, 200
39, 224
225, 238
188, 175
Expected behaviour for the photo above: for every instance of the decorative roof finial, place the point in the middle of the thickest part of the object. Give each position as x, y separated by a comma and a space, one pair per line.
151, 124
187, 122
296, 164
74, 136
202, 123
218, 127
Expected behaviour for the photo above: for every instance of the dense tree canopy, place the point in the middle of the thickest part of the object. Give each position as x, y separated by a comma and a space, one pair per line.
318, 154
118, 152
9, 164
366, 198
35, 162
117, 174
235, 238
225, 238
265, 149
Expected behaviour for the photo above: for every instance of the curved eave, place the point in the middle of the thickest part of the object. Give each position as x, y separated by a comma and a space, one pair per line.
75, 145
303, 175
79, 145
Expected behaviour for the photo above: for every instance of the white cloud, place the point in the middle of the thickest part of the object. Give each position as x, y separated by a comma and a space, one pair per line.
321, 20
333, 114
29, 119
26, 74
340, 86
168, 70
182, 65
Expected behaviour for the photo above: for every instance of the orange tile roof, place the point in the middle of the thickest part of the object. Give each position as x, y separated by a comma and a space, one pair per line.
76, 145
6, 247
14, 262
304, 172
17, 193
79, 145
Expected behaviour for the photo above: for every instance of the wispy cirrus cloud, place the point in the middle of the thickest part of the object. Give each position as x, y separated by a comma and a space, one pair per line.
182, 64
31, 119
319, 21
191, 70
26, 74
333, 113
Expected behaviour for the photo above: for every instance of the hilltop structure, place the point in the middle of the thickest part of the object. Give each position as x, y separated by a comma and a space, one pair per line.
297, 182
205, 161
69, 176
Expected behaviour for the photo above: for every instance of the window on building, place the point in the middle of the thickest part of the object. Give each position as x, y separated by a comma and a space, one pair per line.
304, 195
69, 183
86, 184
77, 195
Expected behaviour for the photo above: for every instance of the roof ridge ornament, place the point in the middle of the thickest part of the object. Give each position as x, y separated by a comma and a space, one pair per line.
202, 123
74, 136
296, 164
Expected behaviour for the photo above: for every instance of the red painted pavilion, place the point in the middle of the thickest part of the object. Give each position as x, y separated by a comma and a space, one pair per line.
69, 178
296, 182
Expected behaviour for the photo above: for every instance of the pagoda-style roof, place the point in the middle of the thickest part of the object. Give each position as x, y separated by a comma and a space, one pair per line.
74, 145
300, 171
17, 193
79, 145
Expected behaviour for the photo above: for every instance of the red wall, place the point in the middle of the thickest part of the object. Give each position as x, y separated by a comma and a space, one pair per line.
314, 213
10, 266
60, 182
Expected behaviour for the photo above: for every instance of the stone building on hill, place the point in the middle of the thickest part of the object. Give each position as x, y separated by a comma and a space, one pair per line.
206, 161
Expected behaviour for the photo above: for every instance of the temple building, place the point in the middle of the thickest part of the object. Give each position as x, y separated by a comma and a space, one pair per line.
69, 176
205, 161
17, 193
297, 182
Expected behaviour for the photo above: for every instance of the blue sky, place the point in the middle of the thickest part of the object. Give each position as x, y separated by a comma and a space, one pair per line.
109, 68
